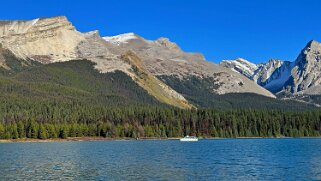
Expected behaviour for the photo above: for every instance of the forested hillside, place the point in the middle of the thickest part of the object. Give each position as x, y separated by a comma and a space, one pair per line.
75, 82
72, 99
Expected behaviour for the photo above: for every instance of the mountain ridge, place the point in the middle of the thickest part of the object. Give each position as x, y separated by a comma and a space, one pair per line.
301, 76
166, 58
50, 40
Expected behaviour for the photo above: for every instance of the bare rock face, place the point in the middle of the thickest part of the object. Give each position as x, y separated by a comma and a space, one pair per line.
45, 40
10, 28
306, 74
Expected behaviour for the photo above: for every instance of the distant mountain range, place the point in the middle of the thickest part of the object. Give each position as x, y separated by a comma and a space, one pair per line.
301, 77
160, 70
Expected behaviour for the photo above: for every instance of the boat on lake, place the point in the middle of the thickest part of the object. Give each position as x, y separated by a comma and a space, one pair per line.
189, 138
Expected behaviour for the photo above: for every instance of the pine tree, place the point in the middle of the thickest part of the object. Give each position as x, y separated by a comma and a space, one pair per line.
21, 129
14, 131
2, 131
42, 132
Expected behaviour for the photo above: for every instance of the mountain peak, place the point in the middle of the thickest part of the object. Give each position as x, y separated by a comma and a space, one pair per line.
313, 45
312, 42
310, 53
9, 27
167, 43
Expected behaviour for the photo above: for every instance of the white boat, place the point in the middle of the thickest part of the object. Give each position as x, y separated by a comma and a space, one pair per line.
189, 138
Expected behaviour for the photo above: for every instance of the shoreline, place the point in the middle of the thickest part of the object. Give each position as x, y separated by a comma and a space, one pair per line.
75, 139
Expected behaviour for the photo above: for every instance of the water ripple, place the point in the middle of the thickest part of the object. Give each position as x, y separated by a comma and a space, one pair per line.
224, 159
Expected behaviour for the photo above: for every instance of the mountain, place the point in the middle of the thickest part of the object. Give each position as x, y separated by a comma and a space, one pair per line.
302, 76
50, 40
148, 63
306, 75
271, 75
164, 58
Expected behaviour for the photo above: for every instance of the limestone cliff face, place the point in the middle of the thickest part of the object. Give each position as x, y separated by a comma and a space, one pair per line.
10, 28
45, 40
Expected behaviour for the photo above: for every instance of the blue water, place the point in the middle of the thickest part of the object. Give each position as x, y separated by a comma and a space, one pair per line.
221, 159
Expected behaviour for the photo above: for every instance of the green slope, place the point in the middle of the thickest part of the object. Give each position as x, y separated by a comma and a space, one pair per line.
9, 63
73, 81
199, 92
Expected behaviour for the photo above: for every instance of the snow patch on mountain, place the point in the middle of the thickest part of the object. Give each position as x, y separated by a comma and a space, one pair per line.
240, 65
122, 38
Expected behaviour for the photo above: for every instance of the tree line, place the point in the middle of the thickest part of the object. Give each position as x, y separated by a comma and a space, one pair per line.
140, 121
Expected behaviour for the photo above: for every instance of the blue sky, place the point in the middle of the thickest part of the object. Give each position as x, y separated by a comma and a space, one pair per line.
256, 30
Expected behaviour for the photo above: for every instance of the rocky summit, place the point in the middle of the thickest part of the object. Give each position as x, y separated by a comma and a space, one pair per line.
306, 75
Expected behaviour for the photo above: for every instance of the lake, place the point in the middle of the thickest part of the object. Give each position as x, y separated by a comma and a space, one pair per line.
217, 159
